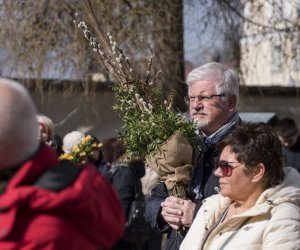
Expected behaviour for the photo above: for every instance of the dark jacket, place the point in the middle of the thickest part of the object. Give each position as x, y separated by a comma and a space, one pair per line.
125, 178
292, 158
292, 155
50, 205
103, 168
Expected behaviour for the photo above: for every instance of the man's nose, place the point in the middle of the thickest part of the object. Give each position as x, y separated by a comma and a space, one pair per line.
197, 104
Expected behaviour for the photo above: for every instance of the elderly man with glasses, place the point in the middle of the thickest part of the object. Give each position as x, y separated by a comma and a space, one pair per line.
213, 94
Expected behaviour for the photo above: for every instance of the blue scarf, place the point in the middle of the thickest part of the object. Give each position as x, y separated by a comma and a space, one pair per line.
209, 141
221, 132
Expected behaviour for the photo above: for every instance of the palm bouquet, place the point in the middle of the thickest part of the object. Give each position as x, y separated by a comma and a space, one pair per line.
153, 130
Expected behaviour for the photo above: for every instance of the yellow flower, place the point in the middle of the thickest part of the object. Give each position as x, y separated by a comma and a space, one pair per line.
96, 145
75, 149
85, 140
63, 157
82, 153
69, 157
66, 157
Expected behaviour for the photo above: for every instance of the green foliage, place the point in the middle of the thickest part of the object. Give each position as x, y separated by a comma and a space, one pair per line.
149, 120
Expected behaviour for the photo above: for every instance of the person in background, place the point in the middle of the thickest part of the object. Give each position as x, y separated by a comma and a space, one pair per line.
80, 149
259, 202
47, 204
96, 155
213, 95
288, 134
58, 142
46, 133
46, 129
149, 181
111, 150
71, 140
125, 178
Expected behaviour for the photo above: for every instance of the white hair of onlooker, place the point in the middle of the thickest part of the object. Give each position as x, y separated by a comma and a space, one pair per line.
226, 80
46, 128
71, 140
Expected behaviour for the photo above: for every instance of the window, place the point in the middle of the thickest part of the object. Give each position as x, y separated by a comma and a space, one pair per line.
296, 55
277, 58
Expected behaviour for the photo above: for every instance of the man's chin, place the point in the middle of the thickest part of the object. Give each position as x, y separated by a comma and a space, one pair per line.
202, 125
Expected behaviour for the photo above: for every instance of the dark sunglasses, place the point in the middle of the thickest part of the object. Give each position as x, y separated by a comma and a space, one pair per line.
225, 167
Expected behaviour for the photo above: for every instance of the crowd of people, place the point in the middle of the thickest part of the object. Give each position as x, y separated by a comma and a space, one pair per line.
76, 192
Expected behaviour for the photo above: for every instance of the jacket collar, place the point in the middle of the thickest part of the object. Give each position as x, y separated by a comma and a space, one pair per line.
32, 168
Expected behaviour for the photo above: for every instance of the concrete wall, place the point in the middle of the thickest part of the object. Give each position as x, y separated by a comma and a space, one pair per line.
75, 112
270, 57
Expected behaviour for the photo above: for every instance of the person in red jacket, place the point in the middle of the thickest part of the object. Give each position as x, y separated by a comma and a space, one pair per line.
47, 204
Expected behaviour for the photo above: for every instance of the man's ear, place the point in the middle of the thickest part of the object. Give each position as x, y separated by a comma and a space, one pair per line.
232, 102
258, 172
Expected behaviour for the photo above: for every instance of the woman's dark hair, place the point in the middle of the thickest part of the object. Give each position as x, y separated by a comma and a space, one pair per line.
112, 149
255, 143
286, 127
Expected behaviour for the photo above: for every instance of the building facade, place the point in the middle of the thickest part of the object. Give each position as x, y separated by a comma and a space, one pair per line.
270, 47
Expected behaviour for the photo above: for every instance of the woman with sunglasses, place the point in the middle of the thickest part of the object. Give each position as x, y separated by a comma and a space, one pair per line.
258, 205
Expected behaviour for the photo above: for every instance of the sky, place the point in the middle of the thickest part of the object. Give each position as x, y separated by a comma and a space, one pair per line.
199, 47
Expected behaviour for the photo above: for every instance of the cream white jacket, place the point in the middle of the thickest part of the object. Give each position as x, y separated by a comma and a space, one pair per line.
273, 223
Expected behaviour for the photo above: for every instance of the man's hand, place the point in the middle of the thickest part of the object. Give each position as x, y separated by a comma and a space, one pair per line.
188, 209
178, 212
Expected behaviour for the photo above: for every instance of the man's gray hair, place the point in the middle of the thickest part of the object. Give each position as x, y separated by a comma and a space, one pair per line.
18, 126
226, 80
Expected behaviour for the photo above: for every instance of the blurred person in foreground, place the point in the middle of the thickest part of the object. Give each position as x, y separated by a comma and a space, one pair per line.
45, 204
213, 94
288, 134
259, 202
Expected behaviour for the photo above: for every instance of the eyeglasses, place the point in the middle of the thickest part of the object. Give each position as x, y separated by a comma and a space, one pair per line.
203, 98
225, 167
